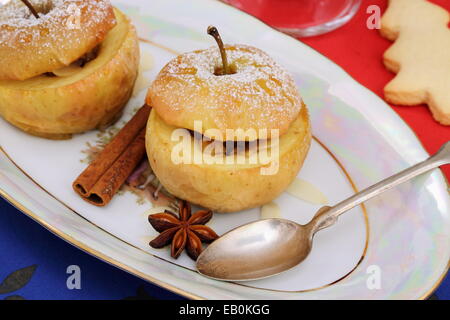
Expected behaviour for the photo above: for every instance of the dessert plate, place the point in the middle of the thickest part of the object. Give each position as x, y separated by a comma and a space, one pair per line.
395, 247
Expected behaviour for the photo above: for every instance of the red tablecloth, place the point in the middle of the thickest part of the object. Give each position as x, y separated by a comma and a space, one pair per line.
359, 51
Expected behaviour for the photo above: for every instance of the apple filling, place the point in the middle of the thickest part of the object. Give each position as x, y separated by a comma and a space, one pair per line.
75, 66
228, 148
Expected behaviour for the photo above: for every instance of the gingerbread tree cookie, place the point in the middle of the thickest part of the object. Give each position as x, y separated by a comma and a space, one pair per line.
420, 55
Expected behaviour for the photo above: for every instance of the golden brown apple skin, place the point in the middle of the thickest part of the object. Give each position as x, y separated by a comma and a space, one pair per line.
226, 188
57, 107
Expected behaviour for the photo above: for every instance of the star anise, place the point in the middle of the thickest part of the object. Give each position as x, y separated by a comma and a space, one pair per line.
185, 231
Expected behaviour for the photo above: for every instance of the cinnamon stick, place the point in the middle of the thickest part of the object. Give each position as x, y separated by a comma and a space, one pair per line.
98, 183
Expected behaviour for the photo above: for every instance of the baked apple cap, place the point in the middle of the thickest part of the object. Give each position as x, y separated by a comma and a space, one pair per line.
65, 31
258, 94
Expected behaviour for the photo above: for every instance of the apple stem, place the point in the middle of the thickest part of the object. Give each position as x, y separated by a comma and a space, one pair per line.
32, 9
212, 31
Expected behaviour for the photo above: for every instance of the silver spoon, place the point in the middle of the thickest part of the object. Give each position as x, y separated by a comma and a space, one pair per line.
268, 247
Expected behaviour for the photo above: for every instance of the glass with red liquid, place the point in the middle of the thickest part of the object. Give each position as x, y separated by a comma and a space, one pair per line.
301, 18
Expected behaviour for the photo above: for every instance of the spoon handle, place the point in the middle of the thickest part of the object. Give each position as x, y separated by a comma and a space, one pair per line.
328, 216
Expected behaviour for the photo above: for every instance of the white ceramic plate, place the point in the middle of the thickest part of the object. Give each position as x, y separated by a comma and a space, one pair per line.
396, 247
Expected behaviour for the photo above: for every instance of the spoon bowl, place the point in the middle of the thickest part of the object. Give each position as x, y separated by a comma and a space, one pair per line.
236, 256
268, 247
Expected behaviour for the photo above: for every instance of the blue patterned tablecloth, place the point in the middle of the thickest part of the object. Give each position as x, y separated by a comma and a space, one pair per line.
34, 263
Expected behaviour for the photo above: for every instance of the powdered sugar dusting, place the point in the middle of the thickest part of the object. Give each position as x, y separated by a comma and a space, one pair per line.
260, 94
16, 14
18, 25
